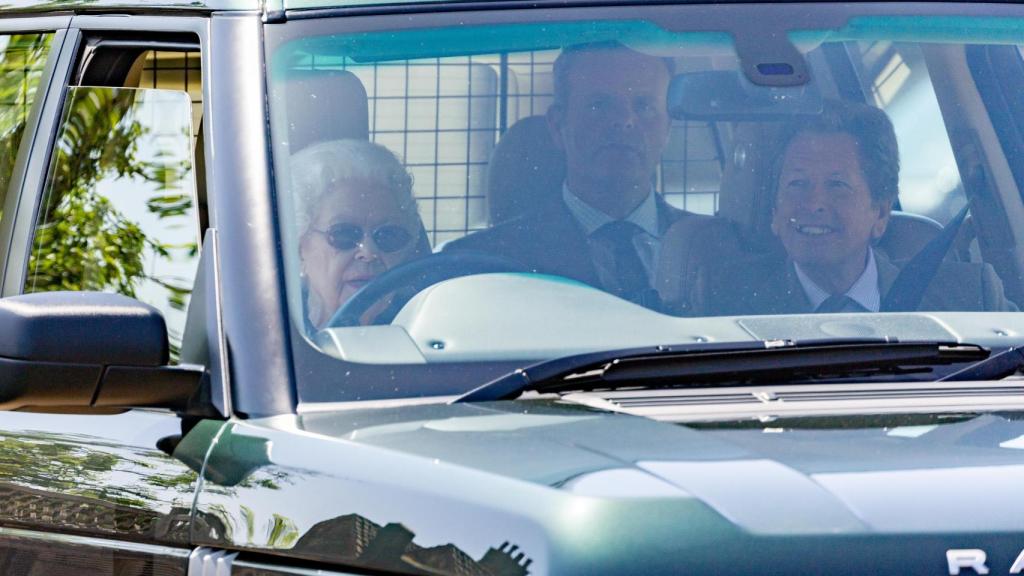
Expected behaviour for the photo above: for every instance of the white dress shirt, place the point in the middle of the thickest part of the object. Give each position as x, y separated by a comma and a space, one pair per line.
864, 292
648, 244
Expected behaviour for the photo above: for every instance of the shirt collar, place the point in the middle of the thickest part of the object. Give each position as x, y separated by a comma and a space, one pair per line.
864, 291
645, 215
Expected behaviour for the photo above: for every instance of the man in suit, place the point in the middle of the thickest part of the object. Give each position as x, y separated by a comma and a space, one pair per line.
836, 182
604, 227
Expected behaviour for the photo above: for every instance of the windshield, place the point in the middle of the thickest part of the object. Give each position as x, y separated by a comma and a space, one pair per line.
471, 192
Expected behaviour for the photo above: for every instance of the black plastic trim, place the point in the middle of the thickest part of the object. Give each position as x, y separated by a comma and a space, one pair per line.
106, 61
203, 341
86, 327
33, 384
161, 387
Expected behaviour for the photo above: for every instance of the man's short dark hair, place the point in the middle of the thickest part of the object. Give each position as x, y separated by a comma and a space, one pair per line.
563, 64
873, 132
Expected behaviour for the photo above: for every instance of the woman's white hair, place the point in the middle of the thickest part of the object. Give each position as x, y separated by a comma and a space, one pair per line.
320, 169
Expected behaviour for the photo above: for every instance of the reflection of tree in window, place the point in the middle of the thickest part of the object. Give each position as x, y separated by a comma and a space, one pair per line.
21, 67
109, 158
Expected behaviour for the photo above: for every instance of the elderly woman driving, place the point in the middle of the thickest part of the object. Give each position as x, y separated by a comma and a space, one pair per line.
356, 219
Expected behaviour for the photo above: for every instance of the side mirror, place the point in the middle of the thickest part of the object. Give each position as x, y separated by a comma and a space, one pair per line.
87, 351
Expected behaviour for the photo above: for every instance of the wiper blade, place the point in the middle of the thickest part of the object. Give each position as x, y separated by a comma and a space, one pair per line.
708, 364
995, 367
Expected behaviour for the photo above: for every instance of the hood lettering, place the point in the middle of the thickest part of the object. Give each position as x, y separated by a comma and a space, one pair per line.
960, 559
1018, 564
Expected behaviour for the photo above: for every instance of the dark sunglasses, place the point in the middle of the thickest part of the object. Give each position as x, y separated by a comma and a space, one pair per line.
387, 238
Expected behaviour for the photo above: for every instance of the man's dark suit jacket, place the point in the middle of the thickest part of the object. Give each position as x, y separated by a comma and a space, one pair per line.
769, 285
550, 240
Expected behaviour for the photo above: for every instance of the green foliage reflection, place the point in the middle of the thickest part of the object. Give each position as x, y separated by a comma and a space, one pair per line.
87, 467
21, 68
118, 213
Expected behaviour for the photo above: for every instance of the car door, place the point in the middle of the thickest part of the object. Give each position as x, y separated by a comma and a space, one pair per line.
103, 195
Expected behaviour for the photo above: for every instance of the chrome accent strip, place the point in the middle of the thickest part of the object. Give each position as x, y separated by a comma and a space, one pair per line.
592, 401
290, 570
314, 407
210, 562
773, 401
152, 549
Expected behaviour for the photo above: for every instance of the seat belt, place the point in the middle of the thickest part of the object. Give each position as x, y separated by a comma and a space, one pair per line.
908, 289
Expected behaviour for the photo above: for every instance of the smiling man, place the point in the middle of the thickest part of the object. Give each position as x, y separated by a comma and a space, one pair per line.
605, 226
829, 209
837, 180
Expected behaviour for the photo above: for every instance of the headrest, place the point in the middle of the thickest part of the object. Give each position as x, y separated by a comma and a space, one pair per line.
526, 168
325, 105
907, 234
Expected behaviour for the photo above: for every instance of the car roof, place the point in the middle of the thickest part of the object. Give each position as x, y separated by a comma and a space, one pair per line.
163, 6
286, 5
39, 6
266, 6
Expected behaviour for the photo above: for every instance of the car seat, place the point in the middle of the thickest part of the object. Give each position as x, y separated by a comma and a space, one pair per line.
329, 105
325, 105
526, 169
907, 234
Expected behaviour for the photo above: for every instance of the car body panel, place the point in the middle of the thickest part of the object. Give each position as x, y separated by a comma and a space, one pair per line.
96, 476
577, 490
243, 214
507, 488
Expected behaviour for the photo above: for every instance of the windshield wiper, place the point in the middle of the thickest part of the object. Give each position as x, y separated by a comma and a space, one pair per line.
995, 367
709, 364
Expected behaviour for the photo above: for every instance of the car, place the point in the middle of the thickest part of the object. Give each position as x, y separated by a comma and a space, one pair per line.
505, 288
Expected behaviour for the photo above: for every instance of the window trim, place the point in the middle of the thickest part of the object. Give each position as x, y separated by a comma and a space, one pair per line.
41, 121
31, 189
256, 321
240, 202
26, 196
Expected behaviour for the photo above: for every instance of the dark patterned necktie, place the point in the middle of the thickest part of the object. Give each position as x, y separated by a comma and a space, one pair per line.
627, 269
838, 303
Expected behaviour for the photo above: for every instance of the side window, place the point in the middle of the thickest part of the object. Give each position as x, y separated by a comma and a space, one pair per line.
119, 211
895, 76
22, 58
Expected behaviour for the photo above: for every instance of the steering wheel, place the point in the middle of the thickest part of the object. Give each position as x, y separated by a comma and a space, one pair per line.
408, 279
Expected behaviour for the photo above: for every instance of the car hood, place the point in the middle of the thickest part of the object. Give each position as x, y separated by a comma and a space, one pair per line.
849, 474
578, 490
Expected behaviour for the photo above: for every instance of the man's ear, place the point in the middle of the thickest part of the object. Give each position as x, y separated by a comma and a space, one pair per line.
884, 211
556, 119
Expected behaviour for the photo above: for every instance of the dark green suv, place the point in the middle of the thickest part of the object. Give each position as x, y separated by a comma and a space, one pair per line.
508, 288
